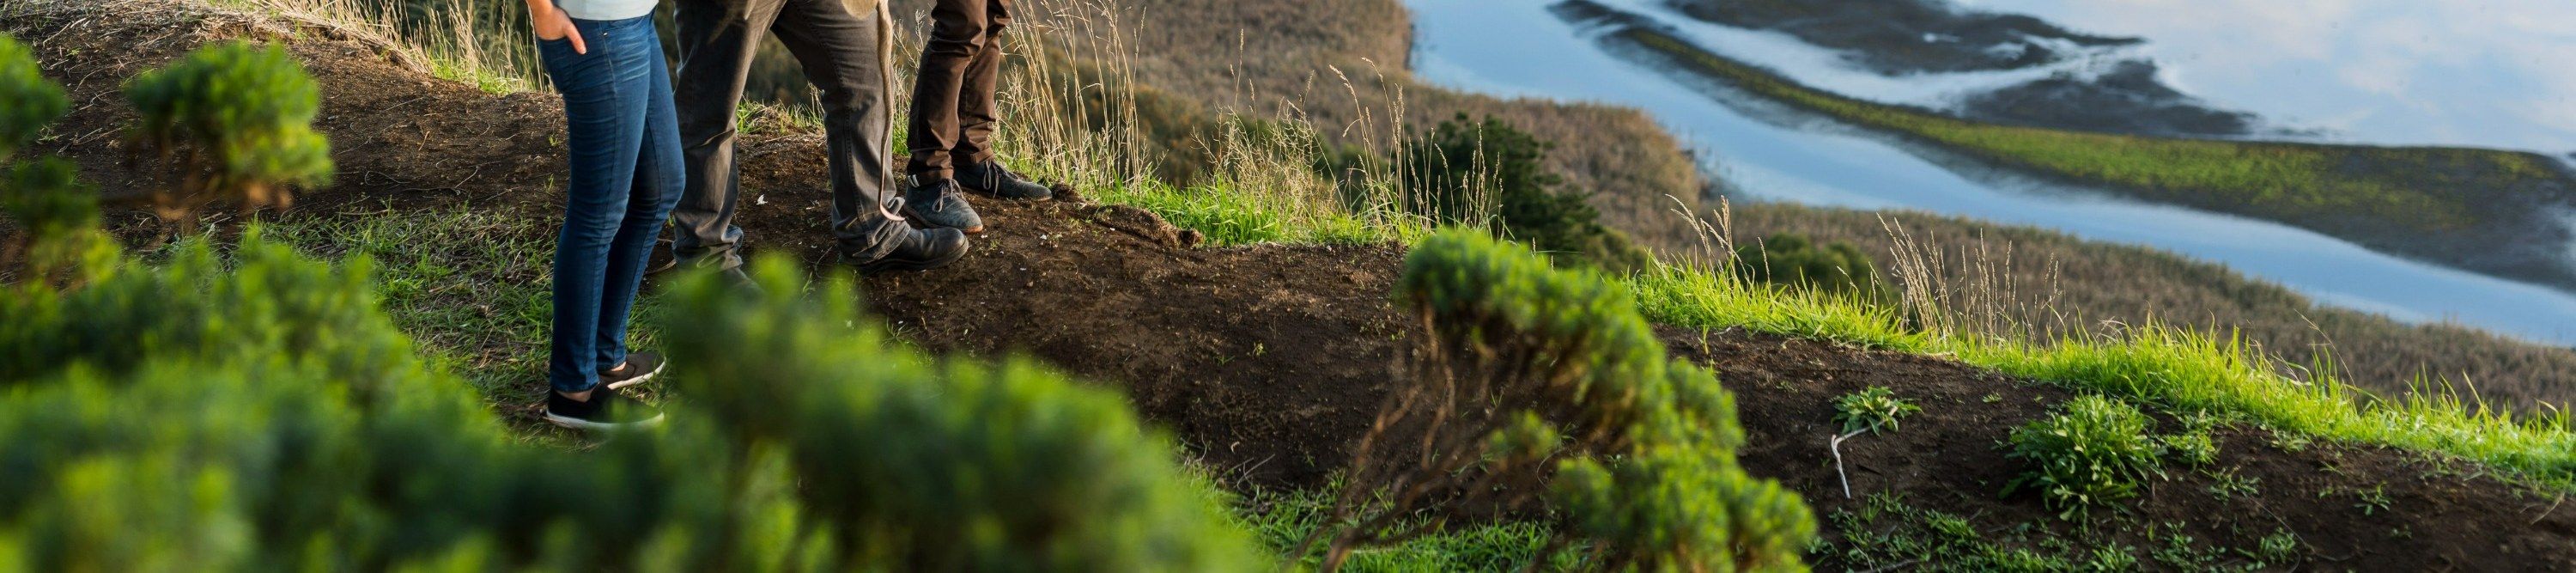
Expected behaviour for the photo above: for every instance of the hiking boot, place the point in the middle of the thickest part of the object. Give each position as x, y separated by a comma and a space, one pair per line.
916, 250
991, 178
605, 411
740, 282
640, 367
939, 204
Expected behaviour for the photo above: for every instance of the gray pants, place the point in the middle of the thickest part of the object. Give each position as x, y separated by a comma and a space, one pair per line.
838, 47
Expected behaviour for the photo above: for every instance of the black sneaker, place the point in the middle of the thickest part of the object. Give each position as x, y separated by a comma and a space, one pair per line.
939, 204
605, 411
919, 250
991, 178
640, 367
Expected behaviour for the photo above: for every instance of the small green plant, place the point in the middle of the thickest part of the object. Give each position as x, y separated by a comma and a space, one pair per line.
1871, 409
2372, 501
231, 121
2281, 547
2095, 452
2195, 448
2228, 485
2289, 442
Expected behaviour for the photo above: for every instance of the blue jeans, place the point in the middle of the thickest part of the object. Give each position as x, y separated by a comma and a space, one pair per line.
626, 175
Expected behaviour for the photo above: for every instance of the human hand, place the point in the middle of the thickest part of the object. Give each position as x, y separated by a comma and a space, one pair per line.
552, 24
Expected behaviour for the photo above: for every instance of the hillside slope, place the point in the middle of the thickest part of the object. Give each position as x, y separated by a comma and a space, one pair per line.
1269, 360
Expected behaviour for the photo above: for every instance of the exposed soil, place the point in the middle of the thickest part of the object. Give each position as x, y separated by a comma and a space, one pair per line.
2442, 515
1269, 361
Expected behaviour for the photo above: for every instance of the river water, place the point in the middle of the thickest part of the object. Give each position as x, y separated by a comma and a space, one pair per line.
1767, 152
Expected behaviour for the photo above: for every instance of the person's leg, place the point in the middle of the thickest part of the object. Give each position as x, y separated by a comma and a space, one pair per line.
838, 50
716, 42
977, 116
976, 113
655, 188
957, 37
604, 137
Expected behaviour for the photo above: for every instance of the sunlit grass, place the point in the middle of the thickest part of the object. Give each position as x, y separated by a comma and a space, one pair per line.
2172, 368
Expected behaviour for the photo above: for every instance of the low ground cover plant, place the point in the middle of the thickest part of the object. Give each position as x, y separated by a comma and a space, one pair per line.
1872, 409
2094, 452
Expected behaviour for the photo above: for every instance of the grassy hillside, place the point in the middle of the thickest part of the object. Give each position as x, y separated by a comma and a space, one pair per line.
2053, 285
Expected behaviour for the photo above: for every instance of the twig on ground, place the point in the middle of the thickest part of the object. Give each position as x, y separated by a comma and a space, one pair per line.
1837, 446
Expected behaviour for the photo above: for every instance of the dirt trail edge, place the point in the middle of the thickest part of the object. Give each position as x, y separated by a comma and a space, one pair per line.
1269, 361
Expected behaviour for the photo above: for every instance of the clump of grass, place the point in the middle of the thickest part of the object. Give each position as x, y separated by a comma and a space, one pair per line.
2193, 448
1871, 409
2095, 452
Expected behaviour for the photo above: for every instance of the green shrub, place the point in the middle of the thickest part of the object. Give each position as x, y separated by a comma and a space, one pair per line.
1490, 174
1641, 447
950, 465
1791, 259
58, 239
267, 416
1871, 409
231, 121
2093, 453
34, 103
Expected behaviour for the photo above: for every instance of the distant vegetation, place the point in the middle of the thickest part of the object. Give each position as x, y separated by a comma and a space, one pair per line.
1790, 259
2426, 201
1491, 175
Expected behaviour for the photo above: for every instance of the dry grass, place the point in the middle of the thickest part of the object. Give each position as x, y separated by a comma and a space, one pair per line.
1340, 66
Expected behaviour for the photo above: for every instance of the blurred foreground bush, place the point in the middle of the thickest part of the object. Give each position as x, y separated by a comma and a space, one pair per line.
1533, 373
267, 417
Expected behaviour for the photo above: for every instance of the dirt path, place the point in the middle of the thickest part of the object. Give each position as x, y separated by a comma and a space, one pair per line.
1269, 361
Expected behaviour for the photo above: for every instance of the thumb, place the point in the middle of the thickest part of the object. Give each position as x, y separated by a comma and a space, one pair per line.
574, 33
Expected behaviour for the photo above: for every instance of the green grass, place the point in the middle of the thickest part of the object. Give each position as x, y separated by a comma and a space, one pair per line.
1231, 218
471, 286
1282, 519
2177, 370
2411, 188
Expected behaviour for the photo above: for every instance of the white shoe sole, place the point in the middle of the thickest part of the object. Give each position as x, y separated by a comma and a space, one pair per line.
581, 424
647, 377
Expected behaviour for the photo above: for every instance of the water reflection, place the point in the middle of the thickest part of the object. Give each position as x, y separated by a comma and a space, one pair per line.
2482, 73
1515, 47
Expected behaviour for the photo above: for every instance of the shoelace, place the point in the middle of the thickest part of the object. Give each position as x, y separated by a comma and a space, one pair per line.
893, 207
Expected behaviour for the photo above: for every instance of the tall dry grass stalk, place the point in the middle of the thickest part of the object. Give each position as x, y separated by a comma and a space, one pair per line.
1070, 102
485, 43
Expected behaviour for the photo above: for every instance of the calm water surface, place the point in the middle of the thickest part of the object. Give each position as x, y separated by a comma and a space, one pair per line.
2480, 73
1517, 48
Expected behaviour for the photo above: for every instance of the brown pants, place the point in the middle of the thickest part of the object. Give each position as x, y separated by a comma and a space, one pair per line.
952, 99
